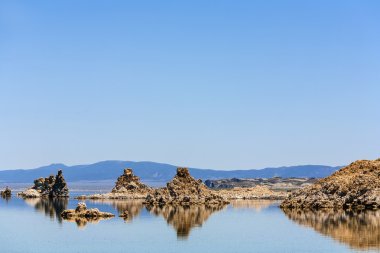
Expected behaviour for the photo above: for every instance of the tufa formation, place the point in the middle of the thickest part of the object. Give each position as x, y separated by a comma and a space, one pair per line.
184, 190
51, 186
356, 186
7, 193
81, 215
127, 186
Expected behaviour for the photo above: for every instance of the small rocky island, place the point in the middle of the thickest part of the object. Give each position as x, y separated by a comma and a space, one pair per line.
356, 186
127, 186
53, 187
184, 190
7, 193
81, 215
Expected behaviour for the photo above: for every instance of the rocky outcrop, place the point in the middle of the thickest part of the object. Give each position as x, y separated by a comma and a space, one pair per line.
81, 212
184, 190
356, 186
47, 187
59, 187
7, 193
274, 183
127, 186
257, 192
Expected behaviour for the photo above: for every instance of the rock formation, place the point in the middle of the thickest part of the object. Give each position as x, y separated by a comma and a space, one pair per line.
81, 215
274, 183
184, 190
7, 193
47, 187
127, 186
257, 192
356, 186
59, 188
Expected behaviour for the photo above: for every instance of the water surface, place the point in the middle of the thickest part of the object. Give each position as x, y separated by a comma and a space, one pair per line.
35, 225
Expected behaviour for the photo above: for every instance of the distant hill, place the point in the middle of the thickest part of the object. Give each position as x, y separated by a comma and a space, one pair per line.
151, 171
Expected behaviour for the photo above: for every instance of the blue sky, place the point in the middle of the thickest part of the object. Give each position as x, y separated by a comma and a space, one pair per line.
210, 84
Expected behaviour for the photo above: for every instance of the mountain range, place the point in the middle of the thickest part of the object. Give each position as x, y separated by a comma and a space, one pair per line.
160, 172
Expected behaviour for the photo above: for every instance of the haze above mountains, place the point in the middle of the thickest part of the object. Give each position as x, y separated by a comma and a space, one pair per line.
160, 172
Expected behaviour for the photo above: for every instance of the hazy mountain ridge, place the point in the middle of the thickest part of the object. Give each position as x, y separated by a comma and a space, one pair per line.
151, 171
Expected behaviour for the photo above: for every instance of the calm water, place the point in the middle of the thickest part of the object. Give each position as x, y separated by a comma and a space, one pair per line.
243, 226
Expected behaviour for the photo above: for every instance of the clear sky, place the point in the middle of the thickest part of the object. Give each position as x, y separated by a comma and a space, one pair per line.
209, 84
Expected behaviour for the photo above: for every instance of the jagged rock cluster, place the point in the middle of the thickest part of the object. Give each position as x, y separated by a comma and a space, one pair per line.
130, 183
48, 187
257, 192
184, 190
81, 215
7, 193
356, 186
127, 186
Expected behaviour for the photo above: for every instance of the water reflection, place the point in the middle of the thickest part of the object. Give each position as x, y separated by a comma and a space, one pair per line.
184, 218
50, 207
359, 230
83, 221
133, 207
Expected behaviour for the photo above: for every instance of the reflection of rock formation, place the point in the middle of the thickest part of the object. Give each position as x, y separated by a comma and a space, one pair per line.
133, 207
184, 218
256, 205
360, 230
81, 215
82, 222
51, 207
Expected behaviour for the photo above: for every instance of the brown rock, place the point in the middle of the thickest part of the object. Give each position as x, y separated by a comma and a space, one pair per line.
7, 193
184, 190
127, 186
356, 186
125, 214
81, 215
81, 211
47, 187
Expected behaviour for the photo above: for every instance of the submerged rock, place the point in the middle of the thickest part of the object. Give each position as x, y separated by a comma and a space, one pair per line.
47, 187
127, 186
124, 214
356, 186
7, 193
184, 190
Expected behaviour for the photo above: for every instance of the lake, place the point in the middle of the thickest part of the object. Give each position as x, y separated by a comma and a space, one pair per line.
35, 225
